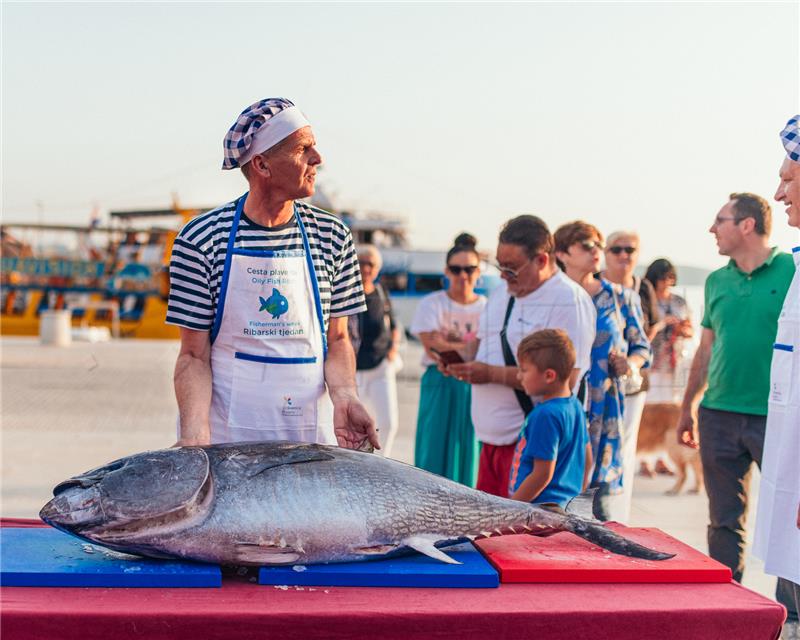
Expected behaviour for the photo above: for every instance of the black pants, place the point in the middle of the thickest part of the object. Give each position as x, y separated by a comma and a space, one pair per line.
729, 445
788, 594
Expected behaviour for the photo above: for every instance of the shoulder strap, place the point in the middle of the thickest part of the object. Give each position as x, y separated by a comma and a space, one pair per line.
385, 302
525, 403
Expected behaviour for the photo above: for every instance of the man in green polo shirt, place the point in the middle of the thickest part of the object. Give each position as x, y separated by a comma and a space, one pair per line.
742, 302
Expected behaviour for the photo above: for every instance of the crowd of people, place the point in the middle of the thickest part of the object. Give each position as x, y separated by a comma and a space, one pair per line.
534, 393
545, 383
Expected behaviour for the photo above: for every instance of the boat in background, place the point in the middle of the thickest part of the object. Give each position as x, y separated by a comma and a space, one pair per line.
117, 276
114, 276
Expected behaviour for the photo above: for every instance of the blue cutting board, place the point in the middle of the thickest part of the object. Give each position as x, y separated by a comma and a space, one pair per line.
45, 557
415, 570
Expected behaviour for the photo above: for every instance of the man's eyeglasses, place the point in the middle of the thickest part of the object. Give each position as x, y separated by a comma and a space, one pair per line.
456, 269
720, 219
591, 245
618, 250
366, 263
511, 274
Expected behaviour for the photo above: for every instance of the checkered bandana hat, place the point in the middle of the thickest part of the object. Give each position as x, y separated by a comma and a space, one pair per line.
790, 137
260, 127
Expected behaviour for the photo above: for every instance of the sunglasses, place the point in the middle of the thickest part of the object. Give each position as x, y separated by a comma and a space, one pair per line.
511, 274
591, 245
456, 269
618, 250
366, 263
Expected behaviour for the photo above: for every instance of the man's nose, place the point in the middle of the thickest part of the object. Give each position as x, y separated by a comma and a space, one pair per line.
316, 157
780, 194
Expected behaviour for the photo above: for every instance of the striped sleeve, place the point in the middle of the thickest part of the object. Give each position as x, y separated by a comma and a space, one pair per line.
190, 299
347, 292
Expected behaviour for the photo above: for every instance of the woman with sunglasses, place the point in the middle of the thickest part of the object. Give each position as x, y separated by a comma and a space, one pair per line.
620, 348
622, 256
446, 322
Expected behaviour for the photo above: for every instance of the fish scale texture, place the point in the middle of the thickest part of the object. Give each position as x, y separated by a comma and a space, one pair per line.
282, 503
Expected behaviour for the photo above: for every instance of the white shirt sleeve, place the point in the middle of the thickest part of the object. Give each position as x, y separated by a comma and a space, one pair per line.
583, 337
426, 317
486, 320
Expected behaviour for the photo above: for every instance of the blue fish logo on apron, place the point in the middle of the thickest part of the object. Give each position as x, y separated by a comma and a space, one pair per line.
276, 304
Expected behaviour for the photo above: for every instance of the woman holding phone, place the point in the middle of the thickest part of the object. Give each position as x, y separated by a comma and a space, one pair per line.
446, 322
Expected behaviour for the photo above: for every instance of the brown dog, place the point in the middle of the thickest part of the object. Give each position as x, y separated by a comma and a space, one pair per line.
657, 432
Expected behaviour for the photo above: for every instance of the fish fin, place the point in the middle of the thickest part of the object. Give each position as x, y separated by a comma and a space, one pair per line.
425, 545
260, 554
376, 549
581, 505
612, 541
255, 461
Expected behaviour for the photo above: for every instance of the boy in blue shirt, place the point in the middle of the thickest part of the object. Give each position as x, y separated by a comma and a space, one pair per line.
553, 456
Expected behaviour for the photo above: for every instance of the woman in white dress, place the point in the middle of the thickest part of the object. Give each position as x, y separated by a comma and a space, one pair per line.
447, 321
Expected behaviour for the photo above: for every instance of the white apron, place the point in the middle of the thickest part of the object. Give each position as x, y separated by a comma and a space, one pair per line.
268, 348
777, 539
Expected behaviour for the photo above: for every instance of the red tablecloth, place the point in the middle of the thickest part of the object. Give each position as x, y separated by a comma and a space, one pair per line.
243, 610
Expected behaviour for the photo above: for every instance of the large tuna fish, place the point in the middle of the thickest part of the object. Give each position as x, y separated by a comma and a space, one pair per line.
288, 503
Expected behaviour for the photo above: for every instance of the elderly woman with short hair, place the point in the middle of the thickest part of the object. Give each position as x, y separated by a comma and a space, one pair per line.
622, 256
376, 338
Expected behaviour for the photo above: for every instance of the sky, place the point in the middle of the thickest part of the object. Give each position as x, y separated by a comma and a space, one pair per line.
453, 116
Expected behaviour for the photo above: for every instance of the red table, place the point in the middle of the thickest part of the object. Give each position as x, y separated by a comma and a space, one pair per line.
243, 610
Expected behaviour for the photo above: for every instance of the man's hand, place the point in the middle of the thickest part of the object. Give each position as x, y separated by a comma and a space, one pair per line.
352, 424
471, 372
687, 430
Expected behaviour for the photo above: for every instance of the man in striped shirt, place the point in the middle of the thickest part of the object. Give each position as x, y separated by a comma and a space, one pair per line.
261, 289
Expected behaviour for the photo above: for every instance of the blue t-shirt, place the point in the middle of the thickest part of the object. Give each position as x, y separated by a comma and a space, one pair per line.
554, 430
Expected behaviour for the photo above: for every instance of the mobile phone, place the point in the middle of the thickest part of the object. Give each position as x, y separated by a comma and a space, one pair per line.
448, 357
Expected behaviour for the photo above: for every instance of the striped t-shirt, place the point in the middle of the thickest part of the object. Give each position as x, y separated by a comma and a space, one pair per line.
198, 260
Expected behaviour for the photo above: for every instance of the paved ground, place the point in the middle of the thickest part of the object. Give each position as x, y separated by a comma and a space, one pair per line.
66, 410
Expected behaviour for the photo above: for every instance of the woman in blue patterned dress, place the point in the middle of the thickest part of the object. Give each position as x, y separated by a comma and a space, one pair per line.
619, 351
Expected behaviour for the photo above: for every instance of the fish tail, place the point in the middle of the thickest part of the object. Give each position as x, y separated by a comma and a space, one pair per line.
611, 541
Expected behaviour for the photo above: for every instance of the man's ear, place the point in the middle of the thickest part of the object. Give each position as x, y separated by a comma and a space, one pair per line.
542, 260
260, 166
747, 225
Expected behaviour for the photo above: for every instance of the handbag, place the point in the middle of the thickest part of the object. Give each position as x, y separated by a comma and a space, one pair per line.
633, 382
